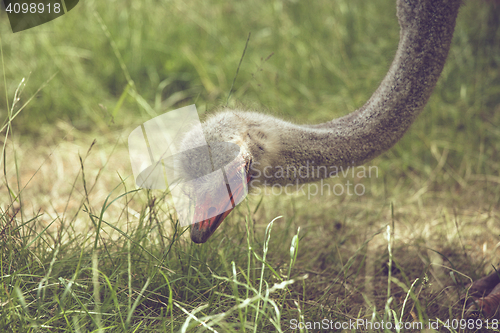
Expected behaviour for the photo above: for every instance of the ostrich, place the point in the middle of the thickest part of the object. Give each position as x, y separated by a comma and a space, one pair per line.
266, 146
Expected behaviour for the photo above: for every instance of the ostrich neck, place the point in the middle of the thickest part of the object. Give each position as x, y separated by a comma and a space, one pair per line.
426, 33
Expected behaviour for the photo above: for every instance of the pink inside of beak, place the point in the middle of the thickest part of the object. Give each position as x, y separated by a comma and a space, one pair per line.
206, 211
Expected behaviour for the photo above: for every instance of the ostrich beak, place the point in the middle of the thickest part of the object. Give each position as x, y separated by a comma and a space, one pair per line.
201, 231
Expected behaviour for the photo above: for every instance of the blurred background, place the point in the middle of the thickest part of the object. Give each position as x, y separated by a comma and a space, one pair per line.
305, 61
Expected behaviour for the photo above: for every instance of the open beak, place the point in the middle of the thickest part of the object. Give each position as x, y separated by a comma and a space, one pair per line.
204, 210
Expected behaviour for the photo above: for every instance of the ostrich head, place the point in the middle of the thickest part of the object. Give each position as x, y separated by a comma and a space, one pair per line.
220, 170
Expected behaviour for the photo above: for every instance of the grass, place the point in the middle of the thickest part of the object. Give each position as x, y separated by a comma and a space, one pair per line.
83, 250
